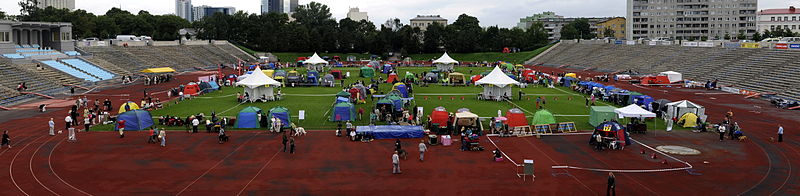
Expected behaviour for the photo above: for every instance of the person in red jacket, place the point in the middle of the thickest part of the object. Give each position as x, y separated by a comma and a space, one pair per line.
121, 127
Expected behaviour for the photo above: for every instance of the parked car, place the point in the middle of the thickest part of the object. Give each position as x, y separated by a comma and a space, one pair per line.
789, 40
770, 40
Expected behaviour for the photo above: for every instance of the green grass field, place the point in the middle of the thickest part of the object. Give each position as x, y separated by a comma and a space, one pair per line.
515, 58
317, 102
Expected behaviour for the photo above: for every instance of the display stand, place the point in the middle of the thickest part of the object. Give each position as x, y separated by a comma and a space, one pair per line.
527, 170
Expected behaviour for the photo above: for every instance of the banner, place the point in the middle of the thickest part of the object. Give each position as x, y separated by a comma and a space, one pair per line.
618, 42
666, 43
652, 43
730, 89
706, 44
732, 45
631, 43
794, 46
205, 78
781, 46
751, 45
690, 44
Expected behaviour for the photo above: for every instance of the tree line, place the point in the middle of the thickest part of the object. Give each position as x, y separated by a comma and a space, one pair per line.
312, 28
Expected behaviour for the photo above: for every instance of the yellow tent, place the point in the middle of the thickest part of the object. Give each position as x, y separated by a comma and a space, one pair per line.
571, 75
131, 106
688, 120
268, 72
159, 70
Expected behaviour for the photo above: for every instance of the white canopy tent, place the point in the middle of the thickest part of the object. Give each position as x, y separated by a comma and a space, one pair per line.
673, 76
316, 63
445, 63
496, 85
634, 111
679, 108
258, 86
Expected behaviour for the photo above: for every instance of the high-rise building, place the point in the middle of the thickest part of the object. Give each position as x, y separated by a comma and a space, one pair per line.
356, 15
200, 12
525, 23
779, 19
59, 4
183, 9
278, 6
690, 19
423, 21
553, 26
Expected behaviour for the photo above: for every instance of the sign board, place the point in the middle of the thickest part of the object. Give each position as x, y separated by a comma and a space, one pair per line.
652, 43
499, 113
706, 44
631, 43
666, 43
567, 127
420, 111
618, 42
690, 44
302, 115
732, 45
542, 128
782, 46
794, 46
101, 43
730, 89
751, 45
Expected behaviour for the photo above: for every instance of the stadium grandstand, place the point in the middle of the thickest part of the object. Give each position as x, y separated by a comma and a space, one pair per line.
757, 68
45, 57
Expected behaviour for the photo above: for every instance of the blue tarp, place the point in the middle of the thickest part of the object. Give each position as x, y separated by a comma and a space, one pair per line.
135, 120
391, 131
640, 100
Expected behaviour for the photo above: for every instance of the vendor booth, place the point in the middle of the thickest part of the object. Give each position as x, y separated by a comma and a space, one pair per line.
600, 114
613, 135
457, 78
135, 120
258, 86
679, 108
316, 63
367, 72
281, 113
496, 85
343, 112
445, 63
248, 118
672, 76
469, 121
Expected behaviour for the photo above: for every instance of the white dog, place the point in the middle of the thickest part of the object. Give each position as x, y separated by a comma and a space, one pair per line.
299, 131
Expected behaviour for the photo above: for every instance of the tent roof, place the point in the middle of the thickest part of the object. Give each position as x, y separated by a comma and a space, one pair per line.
250, 109
634, 110
256, 79
497, 78
604, 108
315, 60
685, 104
445, 59
159, 70
466, 115
670, 72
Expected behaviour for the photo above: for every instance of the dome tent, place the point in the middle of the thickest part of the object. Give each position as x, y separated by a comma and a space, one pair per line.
135, 120
612, 129
367, 72
688, 120
343, 111
127, 106
543, 117
248, 118
281, 113
402, 88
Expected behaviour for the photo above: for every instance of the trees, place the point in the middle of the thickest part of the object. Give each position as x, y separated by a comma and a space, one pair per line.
577, 29
433, 38
757, 36
608, 32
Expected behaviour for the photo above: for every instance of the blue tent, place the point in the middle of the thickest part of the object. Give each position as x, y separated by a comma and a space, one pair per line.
313, 73
387, 68
312, 80
403, 89
280, 113
567, 81
342, 99
612, 129
208, 87
135, 120
343, 111
248, 118
640, 100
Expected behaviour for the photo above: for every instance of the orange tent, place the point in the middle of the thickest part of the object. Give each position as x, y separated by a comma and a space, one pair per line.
191, 89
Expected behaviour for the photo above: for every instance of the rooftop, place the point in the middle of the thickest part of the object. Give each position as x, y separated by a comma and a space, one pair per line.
428, 17
790, 10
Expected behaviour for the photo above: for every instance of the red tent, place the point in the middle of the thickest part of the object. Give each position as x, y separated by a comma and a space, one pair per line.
655, 80
191, 89
440, 116
302, 58
354, 93
475, 78
516, 118
337, 74
529, 75
392, 78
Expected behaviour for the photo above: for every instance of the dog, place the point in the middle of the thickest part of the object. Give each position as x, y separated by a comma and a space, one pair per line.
299, 131
772, 139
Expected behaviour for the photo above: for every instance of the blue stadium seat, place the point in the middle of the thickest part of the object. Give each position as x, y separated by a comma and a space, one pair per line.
89, 68
72, 53
13, 56
70, 70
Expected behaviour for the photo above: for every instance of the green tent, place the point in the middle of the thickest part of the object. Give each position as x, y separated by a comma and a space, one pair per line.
410, 76
248, 118
599, 114
543, 117
343, 94
281, 113
367, 72
509, 66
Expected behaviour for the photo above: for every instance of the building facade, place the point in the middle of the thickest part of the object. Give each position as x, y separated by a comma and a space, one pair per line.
278, 6
58, 4
779, 19
615, 25
55, 35
553, 25
183, 9
690, 19
200, 12
423, 21
356, 15
525, 23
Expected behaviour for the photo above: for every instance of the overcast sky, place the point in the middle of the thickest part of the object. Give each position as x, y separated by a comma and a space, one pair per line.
505, 13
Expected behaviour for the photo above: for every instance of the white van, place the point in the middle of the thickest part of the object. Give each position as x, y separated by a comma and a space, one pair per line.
789, 40
770, 40
129, 38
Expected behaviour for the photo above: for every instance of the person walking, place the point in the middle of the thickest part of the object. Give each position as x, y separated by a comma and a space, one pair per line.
6, 140
51, 125
422, 149
163, 136
121, 128
284, 140
780, 133
291, 145
396, 163
195, 123
612, 184
68, 121
721, 132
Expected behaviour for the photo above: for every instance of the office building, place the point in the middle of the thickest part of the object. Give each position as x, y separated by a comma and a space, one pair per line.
356, 15
615, 25
779, 19
200, 12
278, 6
525, 23
553, 25
58, 4
423, 21
690, 19
183, 9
